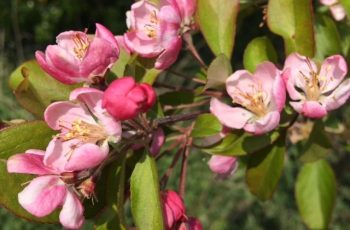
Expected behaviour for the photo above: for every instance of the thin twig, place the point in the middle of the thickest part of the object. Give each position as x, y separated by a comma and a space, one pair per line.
175, 118
184, 163
169, 171
190, 46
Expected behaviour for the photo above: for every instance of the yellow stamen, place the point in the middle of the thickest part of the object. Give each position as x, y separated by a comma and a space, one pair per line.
81, 46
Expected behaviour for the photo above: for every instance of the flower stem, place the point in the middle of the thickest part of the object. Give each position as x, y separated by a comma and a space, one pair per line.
175, 118
188, 39
186, 153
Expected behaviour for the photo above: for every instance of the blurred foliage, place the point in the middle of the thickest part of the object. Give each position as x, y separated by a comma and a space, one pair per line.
29, 25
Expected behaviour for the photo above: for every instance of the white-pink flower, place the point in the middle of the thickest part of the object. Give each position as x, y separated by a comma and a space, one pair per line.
78, 57
223, 165
52, 188
85, 130
336, 9
316, 90
260, 97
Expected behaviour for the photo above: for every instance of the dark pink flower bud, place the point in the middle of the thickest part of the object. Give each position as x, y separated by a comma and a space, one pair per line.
191, 224
125, 99
173, 208
157, 141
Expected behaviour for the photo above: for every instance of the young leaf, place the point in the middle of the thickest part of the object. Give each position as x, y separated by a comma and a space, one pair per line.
258, 50
206, 125
346, 5
292, 19
17, 139
315, 194
146, 207
217, 21
264, 170
35, 90
218, 71
317, 145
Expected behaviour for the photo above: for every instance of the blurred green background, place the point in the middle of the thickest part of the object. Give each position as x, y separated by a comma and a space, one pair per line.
28, 25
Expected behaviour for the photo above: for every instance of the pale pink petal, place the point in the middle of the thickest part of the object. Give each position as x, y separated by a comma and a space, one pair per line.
313, 109
290, 85
84, 157
66, 40
338, 97
43, 195
338, 12
224, 165
265, 75
103, 33
59, 115
145, 48
329, 2
90, 97
264, 125
62, 60
240, 81
72, 213
279, 93
169, 56
121, 44
27, 163
235, 118
297, 105
169, 14
333, 71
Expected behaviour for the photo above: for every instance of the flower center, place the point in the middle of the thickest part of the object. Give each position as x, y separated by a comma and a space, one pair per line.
86, 132
253, 101
81, 44
152, 26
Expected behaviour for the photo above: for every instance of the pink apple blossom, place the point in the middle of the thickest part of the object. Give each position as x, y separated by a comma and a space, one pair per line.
85, 130
173, 208
260, 97
155, 32
125, 99
336, 9
52, 188
223, 165
314, 91
78, 57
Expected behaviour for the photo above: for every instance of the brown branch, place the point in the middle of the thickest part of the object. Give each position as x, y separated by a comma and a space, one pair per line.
175, 118
190, 46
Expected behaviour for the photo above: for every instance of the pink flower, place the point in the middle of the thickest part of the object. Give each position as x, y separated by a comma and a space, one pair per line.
85, 130
315, 91
125, 99
156, 32
173, 208
261, 97
336, 9
158, 139
191, 224
52, 188
121, 44
78, 58
223, 165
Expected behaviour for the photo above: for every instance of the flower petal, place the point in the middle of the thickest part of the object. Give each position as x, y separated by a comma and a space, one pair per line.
279, 93
264, 125
43, 195
338, 12
265, 75
313, 109
71, 215
234, 118
145, 48
338, 97
28, 163
241, 80
170, 54
333, 71
224, 165
104, 33
290, 85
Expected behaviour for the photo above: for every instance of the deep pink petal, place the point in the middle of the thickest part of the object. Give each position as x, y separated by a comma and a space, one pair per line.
338, 97
28, 163
224, 165
313, 109
85, 156
235, 118
72, 213
170, 54
43, 195
265, 124
332, 73
150, 94
104, 33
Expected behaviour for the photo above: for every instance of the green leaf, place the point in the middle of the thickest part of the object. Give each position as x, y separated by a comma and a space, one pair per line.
112, 216
317, 145
145, 198
206, 125
17, 139
315, 194
293, 20
346, 5
239, 143
264, 170
218, 71
119, 67
217, 21
328, 41
176, 98
258, 50
35, 90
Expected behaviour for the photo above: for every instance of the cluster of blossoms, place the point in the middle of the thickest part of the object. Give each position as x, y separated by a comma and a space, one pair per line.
92, 119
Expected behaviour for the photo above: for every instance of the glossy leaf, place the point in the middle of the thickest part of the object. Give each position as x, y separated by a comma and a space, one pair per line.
239, 143
315, 194
145, 198
218, 71
35, 90
17, 139
258, 50
317, 146
293, 20
217, 21
264, 170
206, 125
